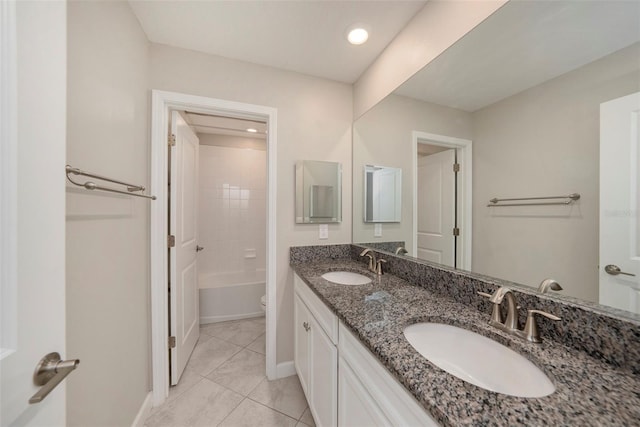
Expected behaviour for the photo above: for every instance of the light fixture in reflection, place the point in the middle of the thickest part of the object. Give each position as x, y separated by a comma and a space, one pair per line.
252, 130
357, 35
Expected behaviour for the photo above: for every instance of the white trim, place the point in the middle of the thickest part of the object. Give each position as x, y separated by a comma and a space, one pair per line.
204, 320
161, 103
8, 179
285, 369
144, 412
466, 172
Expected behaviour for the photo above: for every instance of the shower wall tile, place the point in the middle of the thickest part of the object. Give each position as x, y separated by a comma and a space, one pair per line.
232, 211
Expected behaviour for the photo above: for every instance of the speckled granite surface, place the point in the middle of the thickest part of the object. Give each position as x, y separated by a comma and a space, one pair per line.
590, 390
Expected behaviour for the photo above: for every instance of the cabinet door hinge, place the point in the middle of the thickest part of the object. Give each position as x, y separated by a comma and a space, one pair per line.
456, 167
171, 240
172, 140
172, 342
456, 231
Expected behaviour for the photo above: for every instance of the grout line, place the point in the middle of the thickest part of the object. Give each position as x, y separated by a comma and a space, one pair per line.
231, 411
273, 409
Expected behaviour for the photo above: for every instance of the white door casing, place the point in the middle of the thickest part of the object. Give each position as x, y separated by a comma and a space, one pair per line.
620, 202
32, 206
465, 154
162, 102
436, 200
183, 225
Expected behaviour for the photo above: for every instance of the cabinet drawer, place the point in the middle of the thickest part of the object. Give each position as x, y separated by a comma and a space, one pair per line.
325, 317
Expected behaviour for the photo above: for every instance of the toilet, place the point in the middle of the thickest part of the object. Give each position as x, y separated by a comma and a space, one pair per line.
263, 303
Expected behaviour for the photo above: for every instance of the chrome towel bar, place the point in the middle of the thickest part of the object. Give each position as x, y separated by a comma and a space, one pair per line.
89, 185
569, 199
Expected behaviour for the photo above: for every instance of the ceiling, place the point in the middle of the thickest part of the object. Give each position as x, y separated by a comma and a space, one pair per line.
219, 125
306, 36
523, 44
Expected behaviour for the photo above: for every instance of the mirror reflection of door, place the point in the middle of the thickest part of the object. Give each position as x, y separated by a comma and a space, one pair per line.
437, 204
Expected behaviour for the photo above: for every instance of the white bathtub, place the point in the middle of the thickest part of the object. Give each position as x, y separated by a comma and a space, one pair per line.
231, 295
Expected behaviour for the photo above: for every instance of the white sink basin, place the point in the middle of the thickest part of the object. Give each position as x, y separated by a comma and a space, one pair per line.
478, 360
346, 278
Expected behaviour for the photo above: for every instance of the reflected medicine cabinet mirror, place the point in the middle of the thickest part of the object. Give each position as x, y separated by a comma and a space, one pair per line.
382, 194
318, 192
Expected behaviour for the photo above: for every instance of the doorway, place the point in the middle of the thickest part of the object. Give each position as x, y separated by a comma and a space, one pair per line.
442, 199
162, 104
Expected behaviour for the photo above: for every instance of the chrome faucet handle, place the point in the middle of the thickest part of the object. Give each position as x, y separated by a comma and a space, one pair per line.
379, 266
547, 284
496, 314
530, 331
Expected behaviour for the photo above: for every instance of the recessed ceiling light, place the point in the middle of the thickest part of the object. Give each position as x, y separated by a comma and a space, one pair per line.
252, 130
357, 35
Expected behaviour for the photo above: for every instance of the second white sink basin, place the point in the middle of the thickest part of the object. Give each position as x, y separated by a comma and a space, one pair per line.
346, 278
478, 360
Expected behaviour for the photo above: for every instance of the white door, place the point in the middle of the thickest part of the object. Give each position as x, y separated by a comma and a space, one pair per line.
436, 186
183, 277
620, 203
32, 210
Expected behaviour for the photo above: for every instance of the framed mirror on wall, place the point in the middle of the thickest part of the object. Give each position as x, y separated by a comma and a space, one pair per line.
318, 192
526, 87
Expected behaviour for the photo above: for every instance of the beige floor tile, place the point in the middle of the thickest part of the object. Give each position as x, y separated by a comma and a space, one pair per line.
252, 414
258, 345
307, 418
211, 353
204, 404
301, 424
242, 373
284, 395
239, 332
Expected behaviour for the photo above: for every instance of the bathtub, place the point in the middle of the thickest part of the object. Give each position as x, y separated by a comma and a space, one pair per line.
231, 295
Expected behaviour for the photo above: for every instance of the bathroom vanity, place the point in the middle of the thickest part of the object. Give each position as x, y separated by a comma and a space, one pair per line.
357, 368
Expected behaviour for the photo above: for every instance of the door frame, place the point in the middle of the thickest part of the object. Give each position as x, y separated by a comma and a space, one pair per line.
464, 147
161, 104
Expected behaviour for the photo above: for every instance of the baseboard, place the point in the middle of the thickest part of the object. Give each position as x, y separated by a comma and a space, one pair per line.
144, 411
285, 369
215, 319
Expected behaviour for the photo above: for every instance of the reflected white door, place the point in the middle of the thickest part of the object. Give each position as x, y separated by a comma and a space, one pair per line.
620, 202
436, 198
183, 277
32, 212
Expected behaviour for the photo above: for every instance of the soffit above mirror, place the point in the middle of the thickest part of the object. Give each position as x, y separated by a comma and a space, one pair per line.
497, 61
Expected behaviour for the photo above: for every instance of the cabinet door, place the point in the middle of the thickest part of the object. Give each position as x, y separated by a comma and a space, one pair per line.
323, 376
356, 408
301, 342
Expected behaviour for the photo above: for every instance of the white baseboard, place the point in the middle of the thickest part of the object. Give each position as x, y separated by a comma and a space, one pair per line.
285, 369
215, 319
144, 411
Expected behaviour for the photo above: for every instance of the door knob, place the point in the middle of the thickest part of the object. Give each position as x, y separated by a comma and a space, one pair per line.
199, 248
50, 371
614, 270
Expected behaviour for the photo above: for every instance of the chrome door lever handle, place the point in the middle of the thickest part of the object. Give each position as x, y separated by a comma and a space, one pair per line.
614, 270
50, 372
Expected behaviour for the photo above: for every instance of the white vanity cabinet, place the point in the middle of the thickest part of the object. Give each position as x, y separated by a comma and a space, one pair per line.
355, 391
316, 354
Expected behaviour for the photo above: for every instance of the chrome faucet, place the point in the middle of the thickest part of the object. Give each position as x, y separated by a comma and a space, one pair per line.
400, 250
510, 325
372, 258
549, 284
374, 265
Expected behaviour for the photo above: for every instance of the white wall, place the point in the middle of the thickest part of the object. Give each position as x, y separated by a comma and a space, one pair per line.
232, 201
314, 123
382, 137
431, 31
107, 236
545, 141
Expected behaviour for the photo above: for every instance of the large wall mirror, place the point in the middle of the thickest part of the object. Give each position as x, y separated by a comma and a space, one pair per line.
540, 100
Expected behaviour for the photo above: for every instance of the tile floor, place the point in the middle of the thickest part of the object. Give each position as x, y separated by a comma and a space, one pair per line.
224, 384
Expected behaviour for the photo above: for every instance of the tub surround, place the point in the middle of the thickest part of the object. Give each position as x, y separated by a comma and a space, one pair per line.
592, 355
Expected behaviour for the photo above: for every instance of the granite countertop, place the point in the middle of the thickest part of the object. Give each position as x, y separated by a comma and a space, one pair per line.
588, 392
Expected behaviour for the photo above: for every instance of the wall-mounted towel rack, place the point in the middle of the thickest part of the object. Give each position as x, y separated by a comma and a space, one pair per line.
568, 200
93, 186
